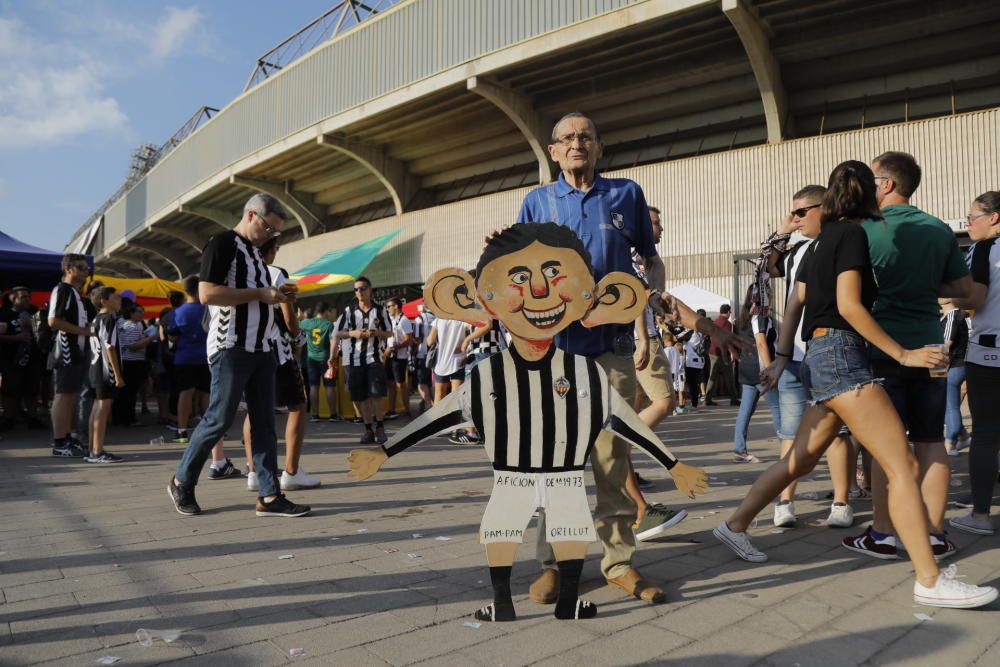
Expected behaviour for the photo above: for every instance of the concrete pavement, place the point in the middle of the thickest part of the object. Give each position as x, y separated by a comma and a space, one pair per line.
388, 571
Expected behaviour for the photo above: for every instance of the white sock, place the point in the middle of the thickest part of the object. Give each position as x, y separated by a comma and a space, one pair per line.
218, 465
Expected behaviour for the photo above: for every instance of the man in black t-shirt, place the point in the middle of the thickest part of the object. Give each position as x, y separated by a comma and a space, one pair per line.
20, 361
68, 320
237, 287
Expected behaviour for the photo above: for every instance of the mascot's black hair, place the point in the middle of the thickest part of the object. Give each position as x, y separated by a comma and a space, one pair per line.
520, 236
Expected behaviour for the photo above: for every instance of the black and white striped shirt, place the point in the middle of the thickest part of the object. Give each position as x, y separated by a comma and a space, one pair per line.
491, 343
67, 305
103, 343
536, 416
364, 351
284, 342
232, 261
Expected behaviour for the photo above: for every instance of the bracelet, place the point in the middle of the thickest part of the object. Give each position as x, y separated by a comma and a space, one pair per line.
782, 354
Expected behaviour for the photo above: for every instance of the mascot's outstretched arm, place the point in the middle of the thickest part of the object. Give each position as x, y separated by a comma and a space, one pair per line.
446, 415
623, 421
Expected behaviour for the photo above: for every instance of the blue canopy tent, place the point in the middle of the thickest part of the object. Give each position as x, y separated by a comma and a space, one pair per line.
34, 268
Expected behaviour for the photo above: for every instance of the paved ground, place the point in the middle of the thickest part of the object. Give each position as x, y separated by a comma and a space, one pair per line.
388, 571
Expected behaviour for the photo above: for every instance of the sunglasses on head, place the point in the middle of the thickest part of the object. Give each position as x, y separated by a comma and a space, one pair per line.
801, 212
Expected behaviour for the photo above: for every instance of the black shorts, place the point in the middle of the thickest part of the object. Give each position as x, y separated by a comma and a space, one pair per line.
193, 376
918, 398
395, 369
289, 389
68, 379
423, 372
104, 391
366, 382
316, 370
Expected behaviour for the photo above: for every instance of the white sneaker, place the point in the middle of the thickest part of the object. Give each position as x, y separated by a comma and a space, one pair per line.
841, 516
739, 543
252, 481
949, 592
784, 515
300, 480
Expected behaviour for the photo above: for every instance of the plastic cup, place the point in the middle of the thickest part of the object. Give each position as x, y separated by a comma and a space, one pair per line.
147, 635
940, 371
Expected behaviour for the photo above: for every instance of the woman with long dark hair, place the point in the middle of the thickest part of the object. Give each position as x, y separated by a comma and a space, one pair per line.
982, 360
837, 287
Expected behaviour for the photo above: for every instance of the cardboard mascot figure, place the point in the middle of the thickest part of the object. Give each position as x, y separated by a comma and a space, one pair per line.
539, 410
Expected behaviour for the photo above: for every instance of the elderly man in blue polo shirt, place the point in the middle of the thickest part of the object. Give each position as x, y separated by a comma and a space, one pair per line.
611, 217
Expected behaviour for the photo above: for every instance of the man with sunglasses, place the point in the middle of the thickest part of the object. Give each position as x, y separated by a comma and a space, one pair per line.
236, 286
69, 321
366, 325
783, 261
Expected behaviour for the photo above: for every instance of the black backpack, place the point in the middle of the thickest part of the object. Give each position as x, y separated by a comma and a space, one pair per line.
43, 333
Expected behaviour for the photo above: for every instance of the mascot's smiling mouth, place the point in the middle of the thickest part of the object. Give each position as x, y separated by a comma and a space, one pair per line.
545, 319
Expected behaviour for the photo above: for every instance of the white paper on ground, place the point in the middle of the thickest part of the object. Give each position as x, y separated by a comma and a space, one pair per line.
286, 557
923, 617
108, 660
472, 624
296, 651
442, 538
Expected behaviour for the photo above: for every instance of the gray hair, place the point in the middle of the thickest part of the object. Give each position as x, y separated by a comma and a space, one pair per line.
575, 114
264, 205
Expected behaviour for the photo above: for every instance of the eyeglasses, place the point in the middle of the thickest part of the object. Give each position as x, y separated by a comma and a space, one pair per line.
267, 228
970, 218
363, 288
568, 139
801, 212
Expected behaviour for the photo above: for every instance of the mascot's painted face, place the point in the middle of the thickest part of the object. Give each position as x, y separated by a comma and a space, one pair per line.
537, 291
535, 278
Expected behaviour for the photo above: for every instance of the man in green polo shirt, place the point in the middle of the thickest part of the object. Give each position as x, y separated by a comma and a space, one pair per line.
916, 260
321, 355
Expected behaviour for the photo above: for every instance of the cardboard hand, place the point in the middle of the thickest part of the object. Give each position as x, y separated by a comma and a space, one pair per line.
689, 479
366, 462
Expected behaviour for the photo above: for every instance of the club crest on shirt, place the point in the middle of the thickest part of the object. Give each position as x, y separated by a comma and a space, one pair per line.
618, 220
561, 387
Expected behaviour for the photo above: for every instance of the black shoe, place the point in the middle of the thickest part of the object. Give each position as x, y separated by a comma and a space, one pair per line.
65, 449
368, 438
965, 502
281, 506
380, 436
392, 415
314, 418
183, 498
642, 482
103, 457
335, 418
228, 470
357, 420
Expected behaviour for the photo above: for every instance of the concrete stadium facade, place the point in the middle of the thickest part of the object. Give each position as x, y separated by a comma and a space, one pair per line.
432, 118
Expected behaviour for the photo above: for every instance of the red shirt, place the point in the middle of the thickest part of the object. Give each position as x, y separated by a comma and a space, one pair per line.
723, 323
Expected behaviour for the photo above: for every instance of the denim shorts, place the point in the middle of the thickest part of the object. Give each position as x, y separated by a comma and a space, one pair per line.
836, 363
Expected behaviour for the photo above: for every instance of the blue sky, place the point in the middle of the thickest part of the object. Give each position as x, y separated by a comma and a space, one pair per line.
83, 83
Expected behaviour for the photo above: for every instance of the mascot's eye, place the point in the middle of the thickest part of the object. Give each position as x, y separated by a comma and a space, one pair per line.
519, 278
550, 272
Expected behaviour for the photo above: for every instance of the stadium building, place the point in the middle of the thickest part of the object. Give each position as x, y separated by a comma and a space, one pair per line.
430, 118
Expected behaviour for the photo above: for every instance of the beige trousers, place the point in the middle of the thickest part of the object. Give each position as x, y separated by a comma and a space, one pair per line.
616, 511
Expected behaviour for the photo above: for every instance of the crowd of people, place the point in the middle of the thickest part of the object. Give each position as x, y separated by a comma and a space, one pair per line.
886, 329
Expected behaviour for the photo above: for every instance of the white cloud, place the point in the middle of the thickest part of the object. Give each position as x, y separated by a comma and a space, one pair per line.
50, 92
174, 29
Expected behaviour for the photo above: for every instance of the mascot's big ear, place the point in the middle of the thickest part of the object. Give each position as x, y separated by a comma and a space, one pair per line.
621, 298
451, 295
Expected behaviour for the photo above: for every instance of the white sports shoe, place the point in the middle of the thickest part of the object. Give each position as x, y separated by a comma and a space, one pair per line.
949, 592
252, 481
784, 515
300, 480
841, 516
739, 543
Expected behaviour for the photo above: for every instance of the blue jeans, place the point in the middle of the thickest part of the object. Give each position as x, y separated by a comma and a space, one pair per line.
953, 426
792, 397
236, 373
748, 405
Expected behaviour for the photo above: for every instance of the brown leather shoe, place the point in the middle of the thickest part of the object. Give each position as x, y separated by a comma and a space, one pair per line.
545, 589
632, 583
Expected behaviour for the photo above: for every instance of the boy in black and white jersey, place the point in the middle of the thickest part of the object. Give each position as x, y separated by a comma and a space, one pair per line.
238, 289
106, 375
289, 386
421, 329
68, 321
366, 327
539, 409
397, 358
